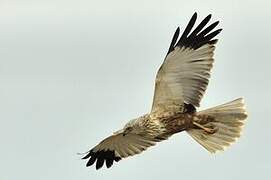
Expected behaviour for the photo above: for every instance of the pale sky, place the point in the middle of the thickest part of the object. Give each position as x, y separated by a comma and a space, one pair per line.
73, 72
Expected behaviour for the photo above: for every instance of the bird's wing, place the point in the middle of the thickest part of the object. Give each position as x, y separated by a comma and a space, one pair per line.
116, 147
183, 77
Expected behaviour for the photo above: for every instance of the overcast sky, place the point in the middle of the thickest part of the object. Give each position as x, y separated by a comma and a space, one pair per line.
72, 72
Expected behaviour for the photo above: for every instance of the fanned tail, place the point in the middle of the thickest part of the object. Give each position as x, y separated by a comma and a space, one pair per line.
226, 120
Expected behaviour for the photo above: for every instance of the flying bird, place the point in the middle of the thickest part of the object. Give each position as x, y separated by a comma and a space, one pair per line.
179, 87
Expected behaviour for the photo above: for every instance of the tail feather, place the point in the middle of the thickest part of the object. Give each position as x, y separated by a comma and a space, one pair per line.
228, 120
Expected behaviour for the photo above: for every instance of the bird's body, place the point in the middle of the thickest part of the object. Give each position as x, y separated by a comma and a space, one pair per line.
161, 125
179, 87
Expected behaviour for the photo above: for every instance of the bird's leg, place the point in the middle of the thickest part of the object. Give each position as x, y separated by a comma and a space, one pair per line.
206, 129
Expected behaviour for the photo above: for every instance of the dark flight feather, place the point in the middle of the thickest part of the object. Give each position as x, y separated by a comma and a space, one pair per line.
187, 30
198, 37
174, 40
100, 157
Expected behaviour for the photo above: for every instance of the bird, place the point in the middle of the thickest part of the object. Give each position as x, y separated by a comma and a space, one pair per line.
180, 84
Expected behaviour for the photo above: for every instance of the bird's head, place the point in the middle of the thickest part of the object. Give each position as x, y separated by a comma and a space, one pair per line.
128, 128
133, 126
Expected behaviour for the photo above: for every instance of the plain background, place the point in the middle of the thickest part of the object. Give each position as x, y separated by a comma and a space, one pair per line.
72, 72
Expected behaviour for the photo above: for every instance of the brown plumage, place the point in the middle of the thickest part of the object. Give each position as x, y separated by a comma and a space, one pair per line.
179, 87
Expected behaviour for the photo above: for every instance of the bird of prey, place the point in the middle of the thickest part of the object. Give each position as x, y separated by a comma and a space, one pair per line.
179, 86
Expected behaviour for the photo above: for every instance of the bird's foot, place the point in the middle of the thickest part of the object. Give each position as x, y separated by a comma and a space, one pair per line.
209, 130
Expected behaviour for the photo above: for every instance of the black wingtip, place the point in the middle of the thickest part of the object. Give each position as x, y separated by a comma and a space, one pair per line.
195, 14
109, 163
174, 40
207, 18
101, 157
208, 29
214, 41
199, 36
215, 24
117, 159
88, 154
100, 162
